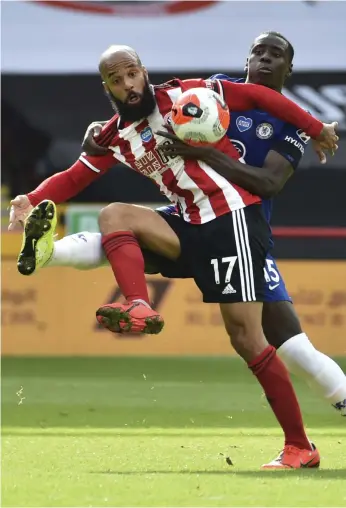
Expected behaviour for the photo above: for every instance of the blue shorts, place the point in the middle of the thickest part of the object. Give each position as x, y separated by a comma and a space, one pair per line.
275, 289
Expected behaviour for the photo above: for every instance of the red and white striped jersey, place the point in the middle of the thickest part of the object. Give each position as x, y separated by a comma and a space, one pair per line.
200, 192
195, 187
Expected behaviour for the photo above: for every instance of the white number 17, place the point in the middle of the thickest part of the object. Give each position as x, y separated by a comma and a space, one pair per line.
231, 262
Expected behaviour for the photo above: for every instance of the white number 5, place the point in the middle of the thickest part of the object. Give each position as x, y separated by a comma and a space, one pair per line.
270, 273
231, 262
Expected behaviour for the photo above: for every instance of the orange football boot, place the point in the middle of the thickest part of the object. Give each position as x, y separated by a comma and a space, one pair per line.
133, 317
292, 457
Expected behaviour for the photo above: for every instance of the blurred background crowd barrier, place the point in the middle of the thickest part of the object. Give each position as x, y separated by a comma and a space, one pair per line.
51, 92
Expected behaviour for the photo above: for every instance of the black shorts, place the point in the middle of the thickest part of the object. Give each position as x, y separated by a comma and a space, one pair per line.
225, 256
154, 263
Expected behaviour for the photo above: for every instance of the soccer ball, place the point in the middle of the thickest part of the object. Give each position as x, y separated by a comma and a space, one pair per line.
200, 116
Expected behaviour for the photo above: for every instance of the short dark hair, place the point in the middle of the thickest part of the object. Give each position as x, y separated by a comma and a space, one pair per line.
278, 34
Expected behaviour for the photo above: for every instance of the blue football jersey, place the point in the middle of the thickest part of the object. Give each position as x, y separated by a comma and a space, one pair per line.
254, 133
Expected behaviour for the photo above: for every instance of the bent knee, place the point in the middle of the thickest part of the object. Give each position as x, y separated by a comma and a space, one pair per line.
115, 216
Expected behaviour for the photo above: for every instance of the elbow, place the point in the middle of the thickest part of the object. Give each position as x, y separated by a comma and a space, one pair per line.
269, 189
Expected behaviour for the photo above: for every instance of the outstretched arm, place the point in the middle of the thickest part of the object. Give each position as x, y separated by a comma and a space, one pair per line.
67, 184
240, 97
61, 186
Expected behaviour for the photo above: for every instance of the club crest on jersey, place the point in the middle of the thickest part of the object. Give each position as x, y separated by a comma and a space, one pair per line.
243, 124
303, 136
146, 134
264, 131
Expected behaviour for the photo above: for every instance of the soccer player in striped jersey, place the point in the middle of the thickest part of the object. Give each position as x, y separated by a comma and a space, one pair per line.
222, 225
277, 151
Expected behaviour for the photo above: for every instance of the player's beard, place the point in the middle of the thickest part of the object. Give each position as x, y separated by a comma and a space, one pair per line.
135, 112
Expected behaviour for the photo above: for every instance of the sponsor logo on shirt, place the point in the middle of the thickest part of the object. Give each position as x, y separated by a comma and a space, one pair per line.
296, 143
241, 148
146, 134
303, 136
243, 124
150, 165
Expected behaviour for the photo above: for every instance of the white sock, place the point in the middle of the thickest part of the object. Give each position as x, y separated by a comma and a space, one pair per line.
81, 250
320, 372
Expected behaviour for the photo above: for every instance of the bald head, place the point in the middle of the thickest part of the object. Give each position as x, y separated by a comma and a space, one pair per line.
126, 83
118, 55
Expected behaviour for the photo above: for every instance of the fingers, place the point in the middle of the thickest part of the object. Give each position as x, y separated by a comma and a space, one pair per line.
329, 144
17, 200
332, 148
19, 210
175, 149
89, 143
330, 138
168, 127
16, 226
323, 145
15, 223
93, 148
12, 214
96, 130
171, 152
319, 148
176, 145
322, 156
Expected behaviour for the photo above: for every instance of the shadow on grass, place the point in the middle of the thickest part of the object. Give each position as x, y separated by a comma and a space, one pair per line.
314, 474
144, 432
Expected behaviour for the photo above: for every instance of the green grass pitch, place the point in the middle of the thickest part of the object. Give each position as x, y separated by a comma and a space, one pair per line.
155, 432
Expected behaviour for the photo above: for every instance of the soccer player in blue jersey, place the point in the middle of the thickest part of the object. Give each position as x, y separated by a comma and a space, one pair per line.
272, 151
277, 148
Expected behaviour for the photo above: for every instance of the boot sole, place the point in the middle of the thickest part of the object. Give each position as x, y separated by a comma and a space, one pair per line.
38, 224
119, 321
